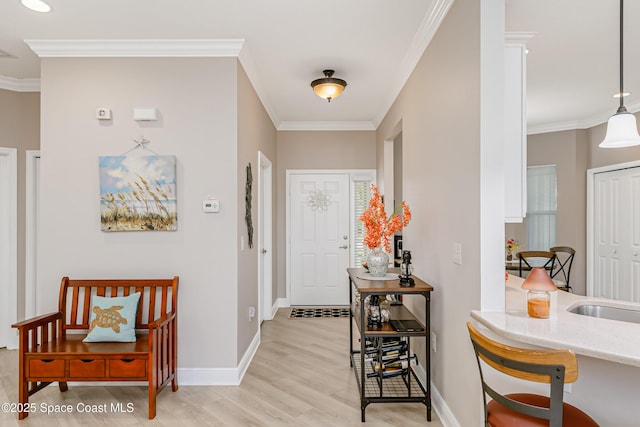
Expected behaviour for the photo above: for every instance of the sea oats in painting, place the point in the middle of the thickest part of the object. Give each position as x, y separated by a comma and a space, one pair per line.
138, 193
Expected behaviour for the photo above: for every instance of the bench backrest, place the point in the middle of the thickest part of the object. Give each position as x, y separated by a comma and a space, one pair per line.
158, 297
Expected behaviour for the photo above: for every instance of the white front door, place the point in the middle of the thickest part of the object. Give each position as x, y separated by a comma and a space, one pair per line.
319, 238
617, 234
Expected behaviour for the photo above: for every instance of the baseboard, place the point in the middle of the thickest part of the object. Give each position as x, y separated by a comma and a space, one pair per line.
445, 415
220, 376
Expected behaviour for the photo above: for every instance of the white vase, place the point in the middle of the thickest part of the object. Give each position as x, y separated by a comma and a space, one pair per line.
378, 262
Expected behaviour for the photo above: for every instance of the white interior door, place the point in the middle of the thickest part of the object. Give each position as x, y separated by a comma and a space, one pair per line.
319, 238
8, 246
617, 234
265, 237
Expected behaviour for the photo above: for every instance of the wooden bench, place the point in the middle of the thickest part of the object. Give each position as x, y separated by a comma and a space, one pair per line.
51, 347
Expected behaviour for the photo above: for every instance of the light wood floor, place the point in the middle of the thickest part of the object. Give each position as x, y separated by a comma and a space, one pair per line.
300, 376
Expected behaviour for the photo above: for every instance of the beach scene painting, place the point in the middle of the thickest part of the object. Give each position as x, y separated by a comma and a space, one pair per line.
138, 193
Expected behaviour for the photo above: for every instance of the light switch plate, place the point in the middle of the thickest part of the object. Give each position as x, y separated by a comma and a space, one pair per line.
457, 253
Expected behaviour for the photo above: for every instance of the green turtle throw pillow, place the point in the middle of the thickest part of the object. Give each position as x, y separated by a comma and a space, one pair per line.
113, 319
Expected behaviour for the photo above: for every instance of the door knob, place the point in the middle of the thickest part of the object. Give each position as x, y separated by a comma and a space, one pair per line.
344, 246
264, 251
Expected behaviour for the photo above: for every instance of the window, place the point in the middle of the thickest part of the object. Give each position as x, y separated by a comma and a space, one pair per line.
361, 195
541, 207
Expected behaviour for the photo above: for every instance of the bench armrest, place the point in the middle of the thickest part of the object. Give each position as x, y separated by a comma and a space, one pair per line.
162, 320
34, 322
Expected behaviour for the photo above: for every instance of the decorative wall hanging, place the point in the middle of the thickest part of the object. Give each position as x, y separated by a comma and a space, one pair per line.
247, 198
138, 193
318, 201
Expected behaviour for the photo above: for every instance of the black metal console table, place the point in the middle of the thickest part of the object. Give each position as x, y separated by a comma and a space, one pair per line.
374, 387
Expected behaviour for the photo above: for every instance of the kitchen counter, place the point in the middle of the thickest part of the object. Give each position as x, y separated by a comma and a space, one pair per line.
610, 340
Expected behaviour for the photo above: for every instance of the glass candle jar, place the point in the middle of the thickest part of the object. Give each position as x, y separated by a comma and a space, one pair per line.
538, 304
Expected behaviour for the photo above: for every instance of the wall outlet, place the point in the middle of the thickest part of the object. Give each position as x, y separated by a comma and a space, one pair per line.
457, 253
433, 341
252, 312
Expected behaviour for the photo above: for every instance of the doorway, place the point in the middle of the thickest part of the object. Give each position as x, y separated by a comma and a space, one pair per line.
8, 246
265, 238
613, 224
321, 216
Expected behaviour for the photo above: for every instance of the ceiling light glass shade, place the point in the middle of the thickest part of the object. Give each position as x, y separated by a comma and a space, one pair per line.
328, 87
622, 131
37, 5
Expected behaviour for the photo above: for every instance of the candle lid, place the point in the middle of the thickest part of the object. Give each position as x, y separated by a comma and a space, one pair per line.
539, 280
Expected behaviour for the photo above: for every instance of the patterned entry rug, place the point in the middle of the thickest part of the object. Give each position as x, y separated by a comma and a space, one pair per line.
318, 312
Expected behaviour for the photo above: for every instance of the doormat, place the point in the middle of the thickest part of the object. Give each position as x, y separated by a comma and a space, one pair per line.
318, 312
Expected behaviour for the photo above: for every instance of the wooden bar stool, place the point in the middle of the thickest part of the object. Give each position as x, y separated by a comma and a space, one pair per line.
554, 367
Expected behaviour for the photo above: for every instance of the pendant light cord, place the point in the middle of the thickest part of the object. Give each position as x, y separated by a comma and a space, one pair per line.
621, 56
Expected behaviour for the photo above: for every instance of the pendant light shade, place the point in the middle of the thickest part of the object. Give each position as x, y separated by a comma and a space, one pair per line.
328, 87
622, 130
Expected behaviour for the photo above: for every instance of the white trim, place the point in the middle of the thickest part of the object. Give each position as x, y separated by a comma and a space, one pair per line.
31, 229
20, 85
352, 174
219, 376
265, 237
439, 405
428, 27
589, 122
9, 247
591, 176
160, 48
250, 69
326, 126
279, 303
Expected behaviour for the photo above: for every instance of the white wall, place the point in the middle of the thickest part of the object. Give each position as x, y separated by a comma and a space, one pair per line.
197, 102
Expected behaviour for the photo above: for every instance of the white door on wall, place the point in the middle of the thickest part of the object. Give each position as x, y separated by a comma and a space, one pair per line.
617, 234
319, 238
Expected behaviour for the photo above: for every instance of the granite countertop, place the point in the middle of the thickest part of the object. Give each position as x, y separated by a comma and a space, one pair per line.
611, 340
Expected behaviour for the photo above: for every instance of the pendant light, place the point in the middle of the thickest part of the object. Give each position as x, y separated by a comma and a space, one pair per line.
622, 130
328, 87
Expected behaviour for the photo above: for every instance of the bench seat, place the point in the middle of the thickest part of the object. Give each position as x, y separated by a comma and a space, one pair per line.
51, 347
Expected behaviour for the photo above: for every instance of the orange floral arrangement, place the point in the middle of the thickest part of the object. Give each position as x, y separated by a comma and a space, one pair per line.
379, 228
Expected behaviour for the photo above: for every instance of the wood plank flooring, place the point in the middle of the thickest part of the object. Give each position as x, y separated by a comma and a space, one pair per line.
300, 376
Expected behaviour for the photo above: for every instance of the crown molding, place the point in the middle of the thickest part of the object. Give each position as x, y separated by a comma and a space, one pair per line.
135, 48
250, 69
589, 122
428, 27
326, 126
20, 85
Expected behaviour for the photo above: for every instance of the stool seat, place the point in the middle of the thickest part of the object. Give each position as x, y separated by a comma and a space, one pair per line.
501, 416
547, 366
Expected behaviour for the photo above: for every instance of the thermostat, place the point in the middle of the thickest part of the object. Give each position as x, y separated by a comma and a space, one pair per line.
210, 205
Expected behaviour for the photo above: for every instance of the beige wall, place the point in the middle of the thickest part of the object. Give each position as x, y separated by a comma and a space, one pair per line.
441, 174
573, 152
197, 102
316, 150
568, 150
20, 124
255, 133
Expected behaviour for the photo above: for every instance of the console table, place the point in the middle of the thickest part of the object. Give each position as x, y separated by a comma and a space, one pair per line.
374, 387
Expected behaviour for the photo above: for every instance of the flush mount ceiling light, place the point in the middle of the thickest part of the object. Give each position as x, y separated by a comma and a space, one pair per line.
622, 130
37, 5
328, 87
